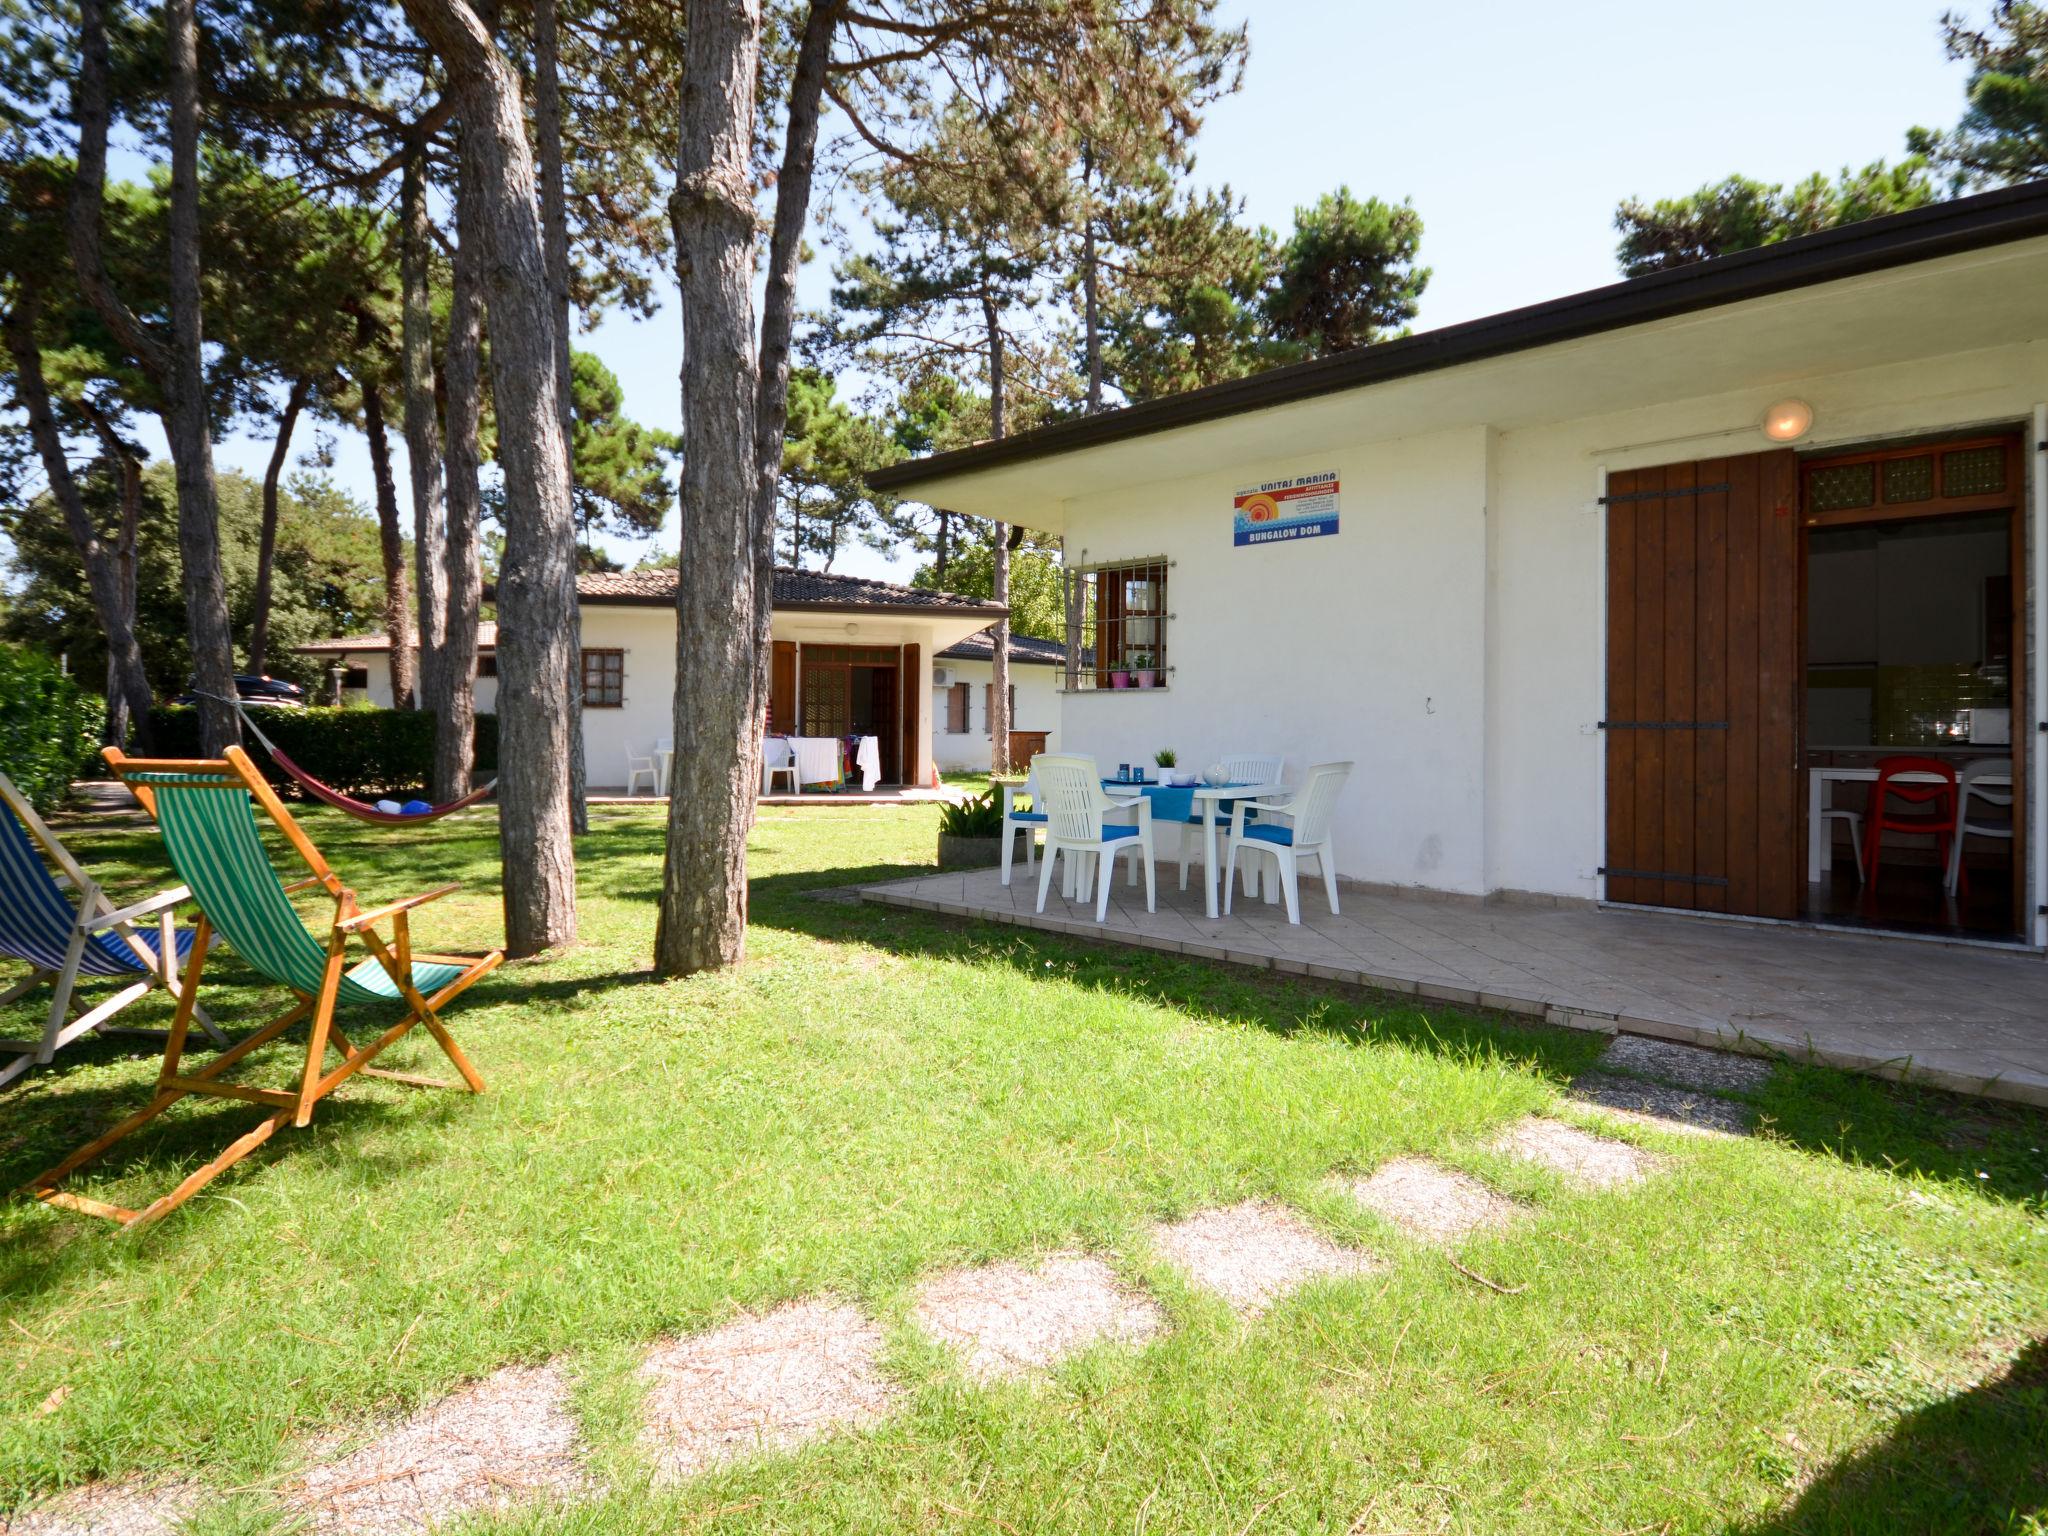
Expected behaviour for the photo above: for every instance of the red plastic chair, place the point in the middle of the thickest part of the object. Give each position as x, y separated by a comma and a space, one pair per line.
1939, 822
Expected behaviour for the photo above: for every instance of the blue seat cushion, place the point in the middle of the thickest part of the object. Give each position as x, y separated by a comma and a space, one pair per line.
1271, 832
1111, 834
1031, 818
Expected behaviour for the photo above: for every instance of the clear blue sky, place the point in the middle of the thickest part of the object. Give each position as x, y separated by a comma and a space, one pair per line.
1514, 128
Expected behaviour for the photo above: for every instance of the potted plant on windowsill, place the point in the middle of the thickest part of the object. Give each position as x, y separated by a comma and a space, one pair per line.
971, 833
1141, 669
1119, 677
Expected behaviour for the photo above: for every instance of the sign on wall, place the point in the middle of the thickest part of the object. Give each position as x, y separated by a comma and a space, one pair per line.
1300, 507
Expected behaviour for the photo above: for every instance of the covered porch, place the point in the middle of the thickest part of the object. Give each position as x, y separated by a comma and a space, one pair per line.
1963, 1017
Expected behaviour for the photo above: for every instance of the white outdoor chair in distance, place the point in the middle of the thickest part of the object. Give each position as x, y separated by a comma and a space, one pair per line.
1025, 822
1290, 831
1070, 794
647, 767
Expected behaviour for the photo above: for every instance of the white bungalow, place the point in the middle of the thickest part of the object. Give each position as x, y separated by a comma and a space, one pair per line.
852, 657
1623, 597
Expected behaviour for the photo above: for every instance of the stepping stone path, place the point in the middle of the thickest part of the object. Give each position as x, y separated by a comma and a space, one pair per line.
1589, 1161
495, 1443
1429, 1201
1661, 1107
1253, 1254
1008, 1321
107, 1509
762, 1384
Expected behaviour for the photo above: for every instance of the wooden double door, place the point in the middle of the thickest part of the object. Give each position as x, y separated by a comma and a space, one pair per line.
1704, 683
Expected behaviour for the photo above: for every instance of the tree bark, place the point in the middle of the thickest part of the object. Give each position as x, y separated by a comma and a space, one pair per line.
778, 318
537, 620
266, 537
127, 461
391, 540
455, 710
111, 602
175, 369
422, 426
712, 786
554, 227
1091, 281
999, 671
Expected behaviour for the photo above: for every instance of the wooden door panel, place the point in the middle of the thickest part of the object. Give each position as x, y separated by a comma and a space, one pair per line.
911, 694
1703, 685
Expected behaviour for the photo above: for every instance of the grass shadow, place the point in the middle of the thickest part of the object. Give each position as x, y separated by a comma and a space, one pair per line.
1990, 1147
1973, 1463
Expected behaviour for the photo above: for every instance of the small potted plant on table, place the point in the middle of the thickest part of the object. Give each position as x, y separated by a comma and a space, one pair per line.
1166, 758
971, 833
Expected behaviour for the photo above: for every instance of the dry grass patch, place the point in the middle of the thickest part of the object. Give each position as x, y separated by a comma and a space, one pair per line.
762, 1384
1006, 1320
1253, 1254
491, 1445
1689, 1066
1427, 1200
129, 1508
1659, 1107
1589, 1161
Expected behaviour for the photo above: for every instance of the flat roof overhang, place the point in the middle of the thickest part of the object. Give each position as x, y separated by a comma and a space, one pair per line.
1953, 277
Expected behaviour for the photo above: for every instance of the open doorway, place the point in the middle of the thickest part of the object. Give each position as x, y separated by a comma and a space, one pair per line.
854, 690
1914, 668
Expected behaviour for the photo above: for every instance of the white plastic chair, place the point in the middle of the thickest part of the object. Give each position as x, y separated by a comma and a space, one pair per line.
1968, 788
1242, 768
1026, 822
1308, 816
1855, 821
778, 761
638, 767
1070, 793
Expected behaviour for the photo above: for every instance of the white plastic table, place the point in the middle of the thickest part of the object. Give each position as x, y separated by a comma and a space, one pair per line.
1817, 782
664, 757
1208, 797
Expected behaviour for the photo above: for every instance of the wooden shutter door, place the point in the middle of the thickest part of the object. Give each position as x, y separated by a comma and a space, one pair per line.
1703, 686
782, 687
911, 704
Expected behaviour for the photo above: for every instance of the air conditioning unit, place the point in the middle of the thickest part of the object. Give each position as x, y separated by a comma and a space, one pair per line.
942, 677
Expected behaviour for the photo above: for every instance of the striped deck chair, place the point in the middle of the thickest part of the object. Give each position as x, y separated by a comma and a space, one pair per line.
64, 937
205, 811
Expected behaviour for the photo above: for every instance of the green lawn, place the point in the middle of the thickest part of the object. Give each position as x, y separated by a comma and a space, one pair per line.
1835, 1325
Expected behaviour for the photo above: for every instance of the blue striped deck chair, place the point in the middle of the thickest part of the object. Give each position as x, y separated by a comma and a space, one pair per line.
65, 936
207, 812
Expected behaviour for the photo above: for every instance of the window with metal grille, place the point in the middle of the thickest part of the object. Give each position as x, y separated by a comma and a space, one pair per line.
956, 710
1124, 621
487, 664
604, 679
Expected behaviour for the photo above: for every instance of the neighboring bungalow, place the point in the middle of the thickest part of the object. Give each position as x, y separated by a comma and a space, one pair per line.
852, 657
1615, 598
963, 683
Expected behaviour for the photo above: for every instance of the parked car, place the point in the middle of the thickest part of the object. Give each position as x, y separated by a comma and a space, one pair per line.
276, 692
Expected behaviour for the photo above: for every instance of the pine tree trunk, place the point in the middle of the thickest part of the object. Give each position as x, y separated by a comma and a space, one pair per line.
422, 427
391, 540
1091, 282
537, 580
112, 605
187, 429
455, 710
127, 462
554, 225
942, 548
999, 691
712, 787
266, 536
778, 318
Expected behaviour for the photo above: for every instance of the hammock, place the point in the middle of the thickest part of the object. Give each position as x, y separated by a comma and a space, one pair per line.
327, 794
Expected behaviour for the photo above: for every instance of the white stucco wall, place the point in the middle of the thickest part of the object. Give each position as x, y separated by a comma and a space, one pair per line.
1450, 638
1038, 709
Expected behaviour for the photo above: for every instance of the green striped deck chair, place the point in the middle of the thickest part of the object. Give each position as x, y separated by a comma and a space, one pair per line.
207, 812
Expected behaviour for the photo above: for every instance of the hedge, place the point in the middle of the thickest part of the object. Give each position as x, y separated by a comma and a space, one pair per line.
363, 752
49, 726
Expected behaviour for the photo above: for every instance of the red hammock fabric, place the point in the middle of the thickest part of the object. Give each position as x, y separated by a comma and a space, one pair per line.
362, 810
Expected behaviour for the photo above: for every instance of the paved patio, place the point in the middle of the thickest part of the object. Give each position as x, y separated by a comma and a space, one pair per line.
1970, 1019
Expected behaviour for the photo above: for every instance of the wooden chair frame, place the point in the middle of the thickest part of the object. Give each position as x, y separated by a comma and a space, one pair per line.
293, 1105
67, 1019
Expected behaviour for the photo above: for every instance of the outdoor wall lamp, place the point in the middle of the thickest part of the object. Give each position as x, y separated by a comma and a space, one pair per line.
1788, 421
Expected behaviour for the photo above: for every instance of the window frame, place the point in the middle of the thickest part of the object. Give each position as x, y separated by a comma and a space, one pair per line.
1113, 653
612, 660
